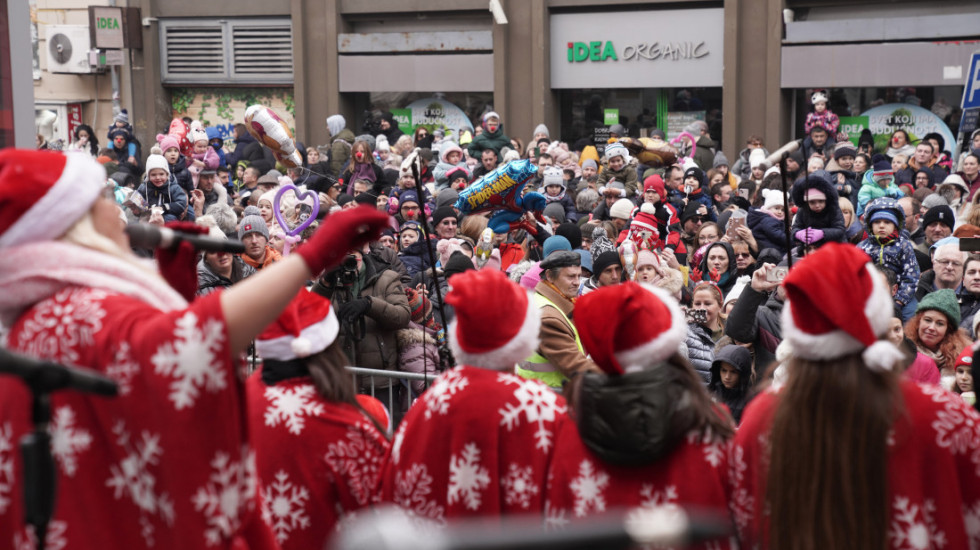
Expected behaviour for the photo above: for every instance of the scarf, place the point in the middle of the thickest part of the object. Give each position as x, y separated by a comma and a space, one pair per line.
32, 272
276, 371
936, 356
551, 285
362, 171
887, 239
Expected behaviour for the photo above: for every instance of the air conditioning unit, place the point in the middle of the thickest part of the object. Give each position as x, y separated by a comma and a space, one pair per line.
67, 47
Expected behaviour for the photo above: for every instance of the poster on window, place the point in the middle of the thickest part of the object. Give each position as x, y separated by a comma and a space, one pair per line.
885, 119
434, 113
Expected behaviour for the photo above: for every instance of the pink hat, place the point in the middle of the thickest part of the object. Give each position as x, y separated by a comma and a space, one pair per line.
168, 141
814, 194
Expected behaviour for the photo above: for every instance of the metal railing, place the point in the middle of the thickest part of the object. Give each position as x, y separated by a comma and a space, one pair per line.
400, 393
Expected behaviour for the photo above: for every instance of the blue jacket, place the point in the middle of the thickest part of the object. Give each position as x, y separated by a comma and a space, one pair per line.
897, 255
171, 197
768, 231
213, 133
415, 259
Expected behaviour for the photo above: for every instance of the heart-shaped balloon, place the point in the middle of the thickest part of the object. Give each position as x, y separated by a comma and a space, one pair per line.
677, 142
301, 197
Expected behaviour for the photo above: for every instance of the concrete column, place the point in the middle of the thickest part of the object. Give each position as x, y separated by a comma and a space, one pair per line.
150, 110
752, 101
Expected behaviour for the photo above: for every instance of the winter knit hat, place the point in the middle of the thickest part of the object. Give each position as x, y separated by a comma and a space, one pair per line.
58, 188
600, 242
628, 327
645, 257
695, 172
773, 197
446, 197
458, 262
252, 222
553, 175
449, 147
645, 218
572, 232
157, 161
622, 209
758, 158
541, 129
445, 249
606, 259
496, 325
720, 159
693, 209
836, 305
814, 194
844, 149
555, 211
457, 172
441, 214
306, 327
555, 242
617, 150
590, 163
883, 214
169, 142
943, 301
965, 359
942, 214
656, 183
122, 116
931, 200
408, 196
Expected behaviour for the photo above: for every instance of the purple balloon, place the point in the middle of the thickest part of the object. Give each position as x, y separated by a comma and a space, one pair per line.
300, 196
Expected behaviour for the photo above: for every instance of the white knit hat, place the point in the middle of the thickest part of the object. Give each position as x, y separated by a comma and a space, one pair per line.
157, 161
773, 197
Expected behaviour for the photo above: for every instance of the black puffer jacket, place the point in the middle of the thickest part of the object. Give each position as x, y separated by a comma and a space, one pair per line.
736, 398
208, 281
755, 319
831, 219
634, 419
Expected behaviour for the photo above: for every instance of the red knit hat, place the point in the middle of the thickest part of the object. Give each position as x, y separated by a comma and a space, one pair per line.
629, 326
656, 183
307, 326
645, 218
965, 359
836, 305
496, 324
43, 193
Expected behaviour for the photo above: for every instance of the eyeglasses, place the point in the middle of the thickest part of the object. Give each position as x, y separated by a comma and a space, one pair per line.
948, 263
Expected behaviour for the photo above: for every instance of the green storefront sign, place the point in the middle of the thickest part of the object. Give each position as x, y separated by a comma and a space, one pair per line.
592, 51
404, 119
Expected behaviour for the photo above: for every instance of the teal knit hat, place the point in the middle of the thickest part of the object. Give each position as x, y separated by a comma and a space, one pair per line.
943, 301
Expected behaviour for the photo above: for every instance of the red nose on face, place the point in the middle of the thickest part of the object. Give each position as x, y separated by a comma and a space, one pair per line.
359, 154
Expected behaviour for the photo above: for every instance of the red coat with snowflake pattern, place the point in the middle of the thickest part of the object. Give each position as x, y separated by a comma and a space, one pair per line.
317, 461
166, 463
477, 443
933, 471
581, 485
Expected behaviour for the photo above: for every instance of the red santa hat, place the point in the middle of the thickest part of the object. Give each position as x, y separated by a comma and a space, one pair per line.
645, 218
836, 305
307, 326
43, 193
496, 323
627, 327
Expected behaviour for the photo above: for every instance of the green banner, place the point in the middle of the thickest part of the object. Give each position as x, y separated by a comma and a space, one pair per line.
611, 116
404, 119
852, 126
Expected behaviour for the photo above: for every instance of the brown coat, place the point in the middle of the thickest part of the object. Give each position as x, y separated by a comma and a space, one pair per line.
557, 336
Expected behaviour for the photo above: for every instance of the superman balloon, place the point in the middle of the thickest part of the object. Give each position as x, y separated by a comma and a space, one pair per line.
502, 191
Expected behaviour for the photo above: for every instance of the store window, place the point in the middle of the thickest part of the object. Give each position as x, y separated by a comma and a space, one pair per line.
918, 110
410, 109
639, 110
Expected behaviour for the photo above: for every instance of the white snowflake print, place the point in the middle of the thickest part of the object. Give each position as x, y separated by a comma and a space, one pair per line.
55, 540
664, 501
955, 425
123, 369
537, 402
192, 359
6, 465
713, 450
519, 486
67, 440
284, 506
467, 478
413, 493
289, 405
971, 520
741, 503
554, 518
132, 478
588, 488
913, 526
59, 325
357, 460
396, 446
226, 495
445, 387
652, 499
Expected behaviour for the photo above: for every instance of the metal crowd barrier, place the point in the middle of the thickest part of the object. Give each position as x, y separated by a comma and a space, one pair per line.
399, 390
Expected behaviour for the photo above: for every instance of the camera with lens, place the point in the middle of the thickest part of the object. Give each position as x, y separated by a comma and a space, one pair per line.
372, 123
342, 276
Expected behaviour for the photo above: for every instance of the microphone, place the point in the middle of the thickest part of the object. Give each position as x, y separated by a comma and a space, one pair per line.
47, 376
390, 528
143, 235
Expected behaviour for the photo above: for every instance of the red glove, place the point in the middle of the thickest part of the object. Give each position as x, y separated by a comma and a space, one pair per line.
340, 233
178, 265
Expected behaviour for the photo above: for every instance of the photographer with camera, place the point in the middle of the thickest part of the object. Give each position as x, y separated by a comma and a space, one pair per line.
371, 306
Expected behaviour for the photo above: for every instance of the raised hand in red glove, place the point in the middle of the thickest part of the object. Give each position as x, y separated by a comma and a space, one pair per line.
340, 233
178, 265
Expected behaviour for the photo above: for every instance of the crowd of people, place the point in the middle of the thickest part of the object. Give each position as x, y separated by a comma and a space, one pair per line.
698, 334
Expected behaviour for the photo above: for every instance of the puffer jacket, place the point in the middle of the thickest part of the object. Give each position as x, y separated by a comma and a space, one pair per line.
634, 419
755, 320
831, 220
700, 350
415, 258
769, 232
179, 171
496, 141
418, 352
171, 197
899, 255
208, 281
871, 191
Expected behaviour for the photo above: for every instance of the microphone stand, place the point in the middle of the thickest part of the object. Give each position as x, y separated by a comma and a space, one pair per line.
40, 476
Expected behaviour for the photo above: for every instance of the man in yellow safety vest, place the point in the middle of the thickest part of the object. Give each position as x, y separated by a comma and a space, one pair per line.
560, 353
